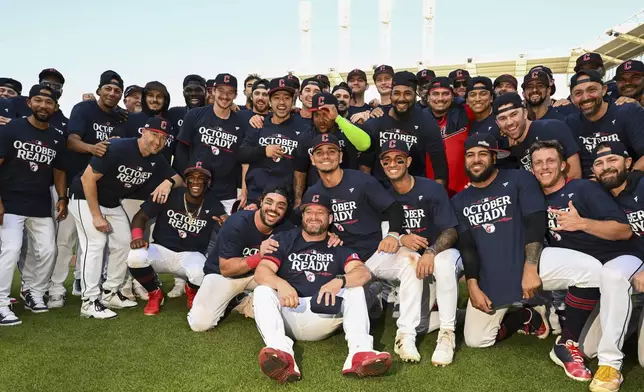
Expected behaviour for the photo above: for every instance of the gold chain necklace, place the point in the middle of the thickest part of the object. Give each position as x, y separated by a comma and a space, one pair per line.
192, 217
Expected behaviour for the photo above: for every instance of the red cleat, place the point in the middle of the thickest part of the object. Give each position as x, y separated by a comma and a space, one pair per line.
368, 364
569, 357
190, 294
155, 300
278, 365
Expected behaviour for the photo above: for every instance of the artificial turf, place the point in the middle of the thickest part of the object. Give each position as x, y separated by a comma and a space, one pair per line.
60, 351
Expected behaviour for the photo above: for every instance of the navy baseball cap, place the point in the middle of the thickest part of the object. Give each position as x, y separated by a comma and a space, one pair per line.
383, 69
315, 198
594, 59
357, 72
260, 83
593, 76
425, 76
629, 66
323, 79
511, 98
194, 79
51, 72
110, 77
459, 74
538, 75
12, 84
279, 84
293, 81
226, 79
508, 79
614, 148
548, 71
311, 81
157, 124
441, 82
43, 91
198, 163
394, 145
210, 83
341, 86
133, 89
404, 78
486, 140
321, 99
325, 139
484, 80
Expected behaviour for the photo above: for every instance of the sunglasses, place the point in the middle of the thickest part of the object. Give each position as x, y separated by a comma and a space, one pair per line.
53, 85
460, 83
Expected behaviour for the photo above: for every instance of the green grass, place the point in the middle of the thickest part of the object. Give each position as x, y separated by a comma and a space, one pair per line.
59, 351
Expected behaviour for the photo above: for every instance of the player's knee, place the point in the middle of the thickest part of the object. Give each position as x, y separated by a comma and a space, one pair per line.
198, 320
353, 294
138, 258
195, 276
474, 340
263, 294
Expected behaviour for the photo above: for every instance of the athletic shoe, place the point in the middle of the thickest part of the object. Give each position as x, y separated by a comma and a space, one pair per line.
538, 324
128, 292
245, 307
553, 319
367, 364
190, 295
56, 301
140, 291
77, 291
178, 290
445, 345
7, 317
96, 309
155, 300
406, 349
607, 379
278, 365
33, 303
569, 357
116, 300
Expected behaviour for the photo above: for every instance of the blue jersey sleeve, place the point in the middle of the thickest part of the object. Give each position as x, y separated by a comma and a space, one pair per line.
441, 209
230, 239
188, 128
150, 208
377, 196
600, 205
531, 197
6, 139
251, 138
564, 135
463, 223
106, 162
634, 127
77, 121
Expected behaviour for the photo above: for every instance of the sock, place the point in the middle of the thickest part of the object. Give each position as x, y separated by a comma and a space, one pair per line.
146, 276
580, 302
512, 322
192, 285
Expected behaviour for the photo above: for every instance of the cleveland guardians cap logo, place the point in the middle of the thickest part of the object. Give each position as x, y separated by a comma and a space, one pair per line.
321, 101
198, 165
315, 198
587, 57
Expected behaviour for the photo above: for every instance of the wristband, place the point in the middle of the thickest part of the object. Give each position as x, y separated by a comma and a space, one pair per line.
172, 181
431, 249
137, 234
253, 260
343, 279
400, 239
64, 198
396, 237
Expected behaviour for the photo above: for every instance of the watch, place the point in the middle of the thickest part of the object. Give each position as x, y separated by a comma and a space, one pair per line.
343, 278
172, 181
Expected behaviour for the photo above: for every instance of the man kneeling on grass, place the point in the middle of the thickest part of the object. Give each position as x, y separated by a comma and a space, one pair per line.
307, 290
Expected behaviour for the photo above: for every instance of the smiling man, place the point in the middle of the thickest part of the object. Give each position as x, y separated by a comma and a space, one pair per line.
536, 91
630, 80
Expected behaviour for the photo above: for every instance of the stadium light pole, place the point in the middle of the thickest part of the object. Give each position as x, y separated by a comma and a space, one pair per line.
344, 36
305, 36
385, 31
428, 31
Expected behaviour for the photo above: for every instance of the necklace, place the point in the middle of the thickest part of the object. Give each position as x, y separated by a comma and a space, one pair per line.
192, 216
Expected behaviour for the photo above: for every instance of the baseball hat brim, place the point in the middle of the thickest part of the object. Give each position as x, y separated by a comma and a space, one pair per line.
325, 144
197, 169
405, 153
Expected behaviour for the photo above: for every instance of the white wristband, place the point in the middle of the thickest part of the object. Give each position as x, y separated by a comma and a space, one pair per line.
394, 236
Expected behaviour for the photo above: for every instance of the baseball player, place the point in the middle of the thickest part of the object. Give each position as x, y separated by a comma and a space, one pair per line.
459, 78
342, 92
382, 78
357, 81
306, 291
358, 203
132, 98
630, 80
31, 154
248, 91
594, 61
504, 84
259, 100
429, 229
10, 88
424, 78
194, 94
181, 236
536, 91
100, 219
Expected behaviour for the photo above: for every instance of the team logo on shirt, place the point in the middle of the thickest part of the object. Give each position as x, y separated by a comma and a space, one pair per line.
489, 228
103, 131
250, 251
131, 176
636, 219
288, 145
34, 152
309, 261
343, 211
526, 161
310, 276
487, 211
590, 142
184, 224
33, 166
182, 234
218, 138
398, 134
413, 219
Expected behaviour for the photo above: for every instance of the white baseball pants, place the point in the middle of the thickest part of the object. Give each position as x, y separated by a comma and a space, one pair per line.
185, 265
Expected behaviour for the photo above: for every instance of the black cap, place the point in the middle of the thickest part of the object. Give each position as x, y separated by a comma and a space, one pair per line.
132, 89
199, 162
226, 79
157, 124
394, 145
195, 79
325, 139
51, 72
43, 91
548, 71
357, 72
614, 148
486, 140
341, 86
293, 81
383, 69
629, 66
323, 79
279, 84
315, 198
404, 78
484, 80
110, 77
425, 76
12, 84
593, 76
210, 83
538, 75
589, 58
508, 79
260, 83
311, 81
441, 82
459, 74
511, 98
321, 99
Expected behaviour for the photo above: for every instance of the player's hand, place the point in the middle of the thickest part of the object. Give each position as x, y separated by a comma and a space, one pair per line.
234, 107
622, 100
121, 113
251, 207
331, 110
243, 199
161, 193
61, 210
297, 203
274, 151
101, 224
4, 120
530, 282
377, 113
374, 103
561, 102
414, 241
256, 121
569, 220
220, 219
1, 212
359, 118
99, 149
479, 300
138, 244
89, 97
288, 296
268, 246
328, 292
334, 240
388, 245
638, 281
425, 265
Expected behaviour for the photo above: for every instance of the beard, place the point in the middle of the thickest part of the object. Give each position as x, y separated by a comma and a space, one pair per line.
262, 217
403, 115
612, 183
42, 117
313, 230
538, 102
484, 176
594, 109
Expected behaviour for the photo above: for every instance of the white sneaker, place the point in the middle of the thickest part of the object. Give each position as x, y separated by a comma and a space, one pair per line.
445, 345
179, 288
56, 301
128, 292
96, 309
34, 303
406, 349
116, 300
140, 291
7, 317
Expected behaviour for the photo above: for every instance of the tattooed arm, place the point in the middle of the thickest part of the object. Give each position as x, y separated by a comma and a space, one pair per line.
447, 239
535, 230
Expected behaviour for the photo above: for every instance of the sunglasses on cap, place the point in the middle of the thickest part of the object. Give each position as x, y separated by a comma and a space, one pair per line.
460, 83
54, 85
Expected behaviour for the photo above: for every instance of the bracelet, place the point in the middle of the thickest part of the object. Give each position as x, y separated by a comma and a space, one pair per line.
431, 249
64, 198
400, 239
253, 260
394, 236
137, 234
172, 181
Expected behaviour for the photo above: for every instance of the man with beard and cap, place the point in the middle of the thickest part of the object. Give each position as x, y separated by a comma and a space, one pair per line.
132, 98
424, 78
459, 78
504, 84
31, 154
327, 122
611, 168
599, 121
630, 80
595, 62
210, 91
219, 129
512, 119
259, 100
536, 92
342, 92
357, 81
248, 91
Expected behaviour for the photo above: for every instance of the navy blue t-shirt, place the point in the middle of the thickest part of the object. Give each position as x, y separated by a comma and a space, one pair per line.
428, 210
358, 109
30, 157
134, 128
175, 115
124, 171
307, 266
302, 123
623, 123
494, 215
6, 108
177, 231
631, 201
544, 130
201, 127
357, 202
239, 237
553, 114
592, 202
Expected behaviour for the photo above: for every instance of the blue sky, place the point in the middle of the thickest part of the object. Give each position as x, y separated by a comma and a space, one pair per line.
164, 40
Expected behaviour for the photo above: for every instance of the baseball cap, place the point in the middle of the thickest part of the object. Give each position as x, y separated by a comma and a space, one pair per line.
341, 86
614, 148
404, 78
425, 76
593, 76
589, 58
196, 79
508, 79
315, 198
394, 145
548, 71
321, 99
459, 74
157, 124
441, 82
198, 163
486, 140
511, 98
279, 84
132, 89
110, 77
210, 83
383, 69
260, 83
357, 72
51, 72
538, 75
12, 84
293, 81
325, 139
226, 79
311, 81
323, 79
484, 80
43, 91
629, 66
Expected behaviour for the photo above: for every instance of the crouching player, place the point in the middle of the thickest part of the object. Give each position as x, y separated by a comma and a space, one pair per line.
306, 291
181, 235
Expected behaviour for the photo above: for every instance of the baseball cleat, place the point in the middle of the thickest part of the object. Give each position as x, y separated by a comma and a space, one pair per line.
116, 300
245, 307
76, 288
191, 293
139, 290
367, 364
445, 344
12, 300
7, 317
569, 357
155, 300
607, 379
96, 309
128, 292
33, 303
56, 301
405, 347
178, 290
538, 323
278, 365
